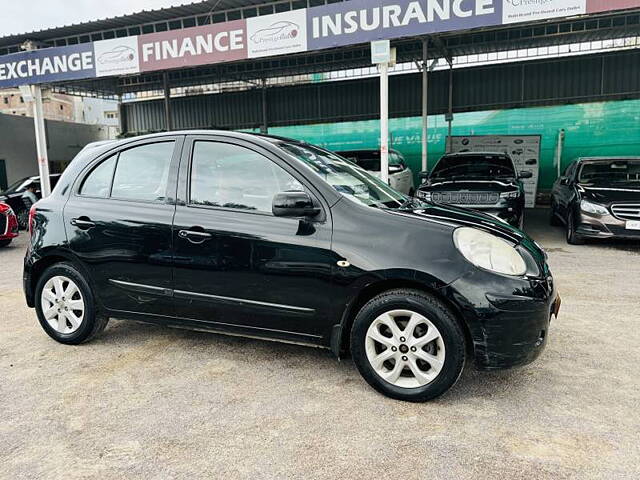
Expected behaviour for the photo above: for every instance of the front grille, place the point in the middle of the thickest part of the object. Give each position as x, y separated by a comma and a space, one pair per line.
3, 224
466, 198
627, 211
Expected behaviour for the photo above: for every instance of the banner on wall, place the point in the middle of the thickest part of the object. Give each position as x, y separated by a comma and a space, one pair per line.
524, 150
327, 26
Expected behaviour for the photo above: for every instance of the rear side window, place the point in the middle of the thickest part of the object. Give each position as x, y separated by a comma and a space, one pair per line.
138, 174
230, 176
142, 172
98, 183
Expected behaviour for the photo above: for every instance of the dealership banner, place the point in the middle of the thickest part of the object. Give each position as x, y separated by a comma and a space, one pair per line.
326, 26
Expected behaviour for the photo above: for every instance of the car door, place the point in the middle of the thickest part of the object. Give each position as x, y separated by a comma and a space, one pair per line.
119, 224
564, 190
237, 265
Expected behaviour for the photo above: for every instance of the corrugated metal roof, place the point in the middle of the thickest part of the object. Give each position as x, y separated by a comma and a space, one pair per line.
139, 18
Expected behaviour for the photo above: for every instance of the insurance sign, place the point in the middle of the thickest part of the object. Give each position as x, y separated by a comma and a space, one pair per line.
326, 26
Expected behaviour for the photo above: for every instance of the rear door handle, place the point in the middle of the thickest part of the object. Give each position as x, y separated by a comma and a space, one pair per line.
83, 223
195, 236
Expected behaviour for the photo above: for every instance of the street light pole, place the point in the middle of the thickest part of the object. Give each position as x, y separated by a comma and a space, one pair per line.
384, 122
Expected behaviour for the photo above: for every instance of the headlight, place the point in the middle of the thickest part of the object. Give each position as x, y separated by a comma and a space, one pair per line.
593, 208
514, 194
426, 196
489, 252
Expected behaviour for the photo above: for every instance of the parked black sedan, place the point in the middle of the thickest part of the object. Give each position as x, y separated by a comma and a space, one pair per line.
598, 198
268, 237
12, 196
480, 181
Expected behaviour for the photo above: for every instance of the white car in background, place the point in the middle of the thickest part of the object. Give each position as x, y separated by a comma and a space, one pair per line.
400, 176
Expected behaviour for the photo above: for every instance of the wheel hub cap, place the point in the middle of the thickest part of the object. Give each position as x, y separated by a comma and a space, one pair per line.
405, 348
62, 305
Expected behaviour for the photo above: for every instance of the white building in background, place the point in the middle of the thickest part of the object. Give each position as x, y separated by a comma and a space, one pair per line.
65, 108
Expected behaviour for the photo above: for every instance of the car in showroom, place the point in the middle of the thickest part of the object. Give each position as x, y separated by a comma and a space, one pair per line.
598, 198
8, 225
487, 182
400, 175
273, 238
13, 196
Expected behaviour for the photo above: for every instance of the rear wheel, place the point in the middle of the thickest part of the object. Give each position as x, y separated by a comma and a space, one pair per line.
66, 307
5, 243
23, 219
408, 345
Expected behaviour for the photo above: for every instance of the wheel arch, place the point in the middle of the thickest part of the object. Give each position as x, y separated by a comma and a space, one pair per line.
341, 333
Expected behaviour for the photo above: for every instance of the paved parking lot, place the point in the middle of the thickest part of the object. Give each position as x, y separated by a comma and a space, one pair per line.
149, 402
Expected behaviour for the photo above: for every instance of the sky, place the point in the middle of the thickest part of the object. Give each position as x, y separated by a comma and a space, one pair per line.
23, 16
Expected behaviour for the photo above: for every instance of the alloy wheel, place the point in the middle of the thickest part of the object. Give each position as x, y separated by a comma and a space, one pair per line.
405, 348
62, 305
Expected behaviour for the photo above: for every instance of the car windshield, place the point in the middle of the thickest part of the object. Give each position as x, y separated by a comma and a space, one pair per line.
16, 186
611, 172
474, 166
347, 178
370, 159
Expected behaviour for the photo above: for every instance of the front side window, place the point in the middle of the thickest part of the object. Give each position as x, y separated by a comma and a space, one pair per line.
348, 179
230, 176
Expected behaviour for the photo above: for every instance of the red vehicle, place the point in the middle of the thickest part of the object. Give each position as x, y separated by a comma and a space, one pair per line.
8, 225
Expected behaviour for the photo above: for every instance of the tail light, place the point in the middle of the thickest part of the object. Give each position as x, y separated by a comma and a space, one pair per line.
32, 219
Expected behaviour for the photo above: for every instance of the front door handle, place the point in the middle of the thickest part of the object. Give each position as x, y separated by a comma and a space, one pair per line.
195, 236
83, 223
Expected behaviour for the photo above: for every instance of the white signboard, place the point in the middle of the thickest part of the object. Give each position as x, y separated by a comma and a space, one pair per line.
380, 52
118, 56
523, 149
277, 34
514, 11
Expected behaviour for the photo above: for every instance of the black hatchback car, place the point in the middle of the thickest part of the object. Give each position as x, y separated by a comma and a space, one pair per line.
598, 198
480, 181
272, 238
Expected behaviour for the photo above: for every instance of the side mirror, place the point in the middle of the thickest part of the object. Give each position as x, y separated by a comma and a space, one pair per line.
564, 181
524, 175
294, 205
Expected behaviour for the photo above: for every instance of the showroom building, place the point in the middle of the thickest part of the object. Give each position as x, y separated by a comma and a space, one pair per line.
303, 68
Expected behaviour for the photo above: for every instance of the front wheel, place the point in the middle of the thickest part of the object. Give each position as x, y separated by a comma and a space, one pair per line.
572, 237
66, 307
408, 345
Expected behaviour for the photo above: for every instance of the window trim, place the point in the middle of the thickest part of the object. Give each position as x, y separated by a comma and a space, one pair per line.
90, 168
230, 141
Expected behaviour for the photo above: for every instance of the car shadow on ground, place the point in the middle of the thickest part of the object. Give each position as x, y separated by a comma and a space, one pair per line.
307, 361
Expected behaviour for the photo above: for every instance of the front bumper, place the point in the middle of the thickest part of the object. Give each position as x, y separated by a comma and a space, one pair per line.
508, 318
603, 227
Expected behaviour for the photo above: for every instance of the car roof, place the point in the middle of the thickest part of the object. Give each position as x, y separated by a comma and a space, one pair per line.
606, 159
475, 154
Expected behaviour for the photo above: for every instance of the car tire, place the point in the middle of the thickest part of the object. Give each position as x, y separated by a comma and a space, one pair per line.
5, 243
23, 219
427, 347
67, 314
412, 192
572, 237
554, 221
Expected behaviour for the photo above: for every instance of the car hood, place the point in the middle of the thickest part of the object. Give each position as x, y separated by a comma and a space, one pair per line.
469, 185
455, 217
610, 194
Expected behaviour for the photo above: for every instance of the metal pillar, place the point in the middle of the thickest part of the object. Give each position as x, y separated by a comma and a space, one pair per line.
265, 113
41, 141
122, 116
167, 103
425, 105
450, 114
384, 122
